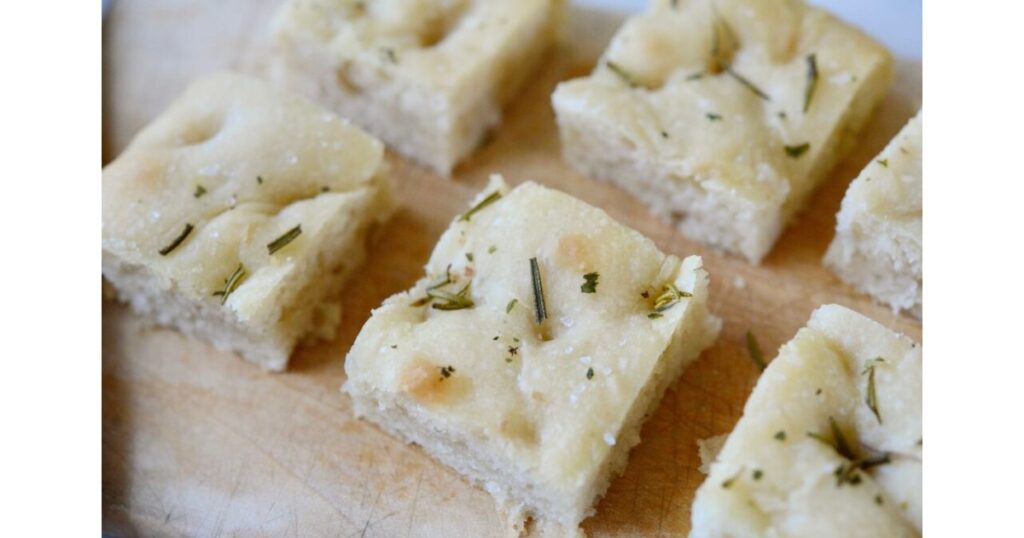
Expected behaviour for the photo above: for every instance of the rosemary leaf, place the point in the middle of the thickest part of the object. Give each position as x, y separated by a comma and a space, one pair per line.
754, 350
812, 80
231, 284
490, 199
746, 82
538, 291
177, 240
622, 73
511, 305
285, 238
872, 396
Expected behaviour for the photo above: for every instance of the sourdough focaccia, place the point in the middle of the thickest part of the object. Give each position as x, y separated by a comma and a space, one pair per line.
529, 355
237, 214
877, 247
723, 116
429, 77
829, 443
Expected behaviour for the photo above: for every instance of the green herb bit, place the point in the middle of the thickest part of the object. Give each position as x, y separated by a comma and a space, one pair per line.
590, 373
757, 474
780, 435
837, 441
812, 80
798, 150
670, 296
622, 73
729, 482
285, 238
451, 301
490, 199
511, 305
200, 191
664, 134
754, 350
469, 256
883, 162
878, 500
538, 291
694, 76
492, 249
711, 116
872, 397
446, 372
589, 283
746, 82
655, 315
421, 301
259, 180
389, 53
177, 240
231, 284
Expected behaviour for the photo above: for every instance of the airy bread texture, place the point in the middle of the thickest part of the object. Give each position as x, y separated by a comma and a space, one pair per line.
723, 116
191, 208
784, 470
877, 247
428, 77
541, 415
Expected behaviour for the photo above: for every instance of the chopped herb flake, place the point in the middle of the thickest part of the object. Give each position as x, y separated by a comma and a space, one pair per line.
883, 162
492, 249
780, 435
812, 80
711, 116
259, 180
177, 240
589, 283
231, 284
754, 350
469, 256
389, 54
590, 373
694, 76
445, 300
490, 199
758, 473
655, 315
200, 191
798, 150
285, 238
446, 372
728, 482
664, 134
511, 305
670, 296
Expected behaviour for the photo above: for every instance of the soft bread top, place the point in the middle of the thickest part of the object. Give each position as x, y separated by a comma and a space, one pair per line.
550, 398
229, 168
725, 92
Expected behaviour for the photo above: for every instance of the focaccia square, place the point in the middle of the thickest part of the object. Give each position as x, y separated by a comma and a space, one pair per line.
429, 77
877, 247
723, 116
237, 214
530, 353
829, 443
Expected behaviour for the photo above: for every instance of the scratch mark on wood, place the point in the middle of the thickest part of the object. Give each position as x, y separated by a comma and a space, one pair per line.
415, 501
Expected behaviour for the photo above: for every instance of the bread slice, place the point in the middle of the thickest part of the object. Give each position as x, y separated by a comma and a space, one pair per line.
723, 116
428, 77
540, 414
829, 443
237, 214
877, 247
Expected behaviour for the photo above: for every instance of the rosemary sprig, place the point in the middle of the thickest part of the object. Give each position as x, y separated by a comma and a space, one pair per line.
754, 349
670, 296
872, 396
622, 73
797, 150
589, 283
490, 199
812, 80
177, 240
746, 82
284, 239
451, 301
538, 291
231, 284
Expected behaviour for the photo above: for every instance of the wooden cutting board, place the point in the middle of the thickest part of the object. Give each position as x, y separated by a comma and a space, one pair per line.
197, 442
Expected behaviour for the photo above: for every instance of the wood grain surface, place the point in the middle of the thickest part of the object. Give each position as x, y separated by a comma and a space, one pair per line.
197, 442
